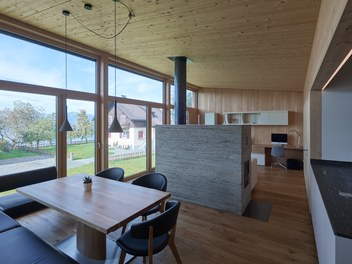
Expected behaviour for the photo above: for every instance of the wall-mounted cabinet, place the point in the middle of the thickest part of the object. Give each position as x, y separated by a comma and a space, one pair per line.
256, 118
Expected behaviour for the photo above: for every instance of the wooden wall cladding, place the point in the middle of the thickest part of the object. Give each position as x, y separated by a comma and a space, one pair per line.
235, 100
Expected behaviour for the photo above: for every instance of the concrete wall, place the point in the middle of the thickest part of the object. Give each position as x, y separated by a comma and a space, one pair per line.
205, 164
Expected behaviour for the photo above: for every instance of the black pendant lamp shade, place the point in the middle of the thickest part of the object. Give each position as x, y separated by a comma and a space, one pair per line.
115, 125
66, 126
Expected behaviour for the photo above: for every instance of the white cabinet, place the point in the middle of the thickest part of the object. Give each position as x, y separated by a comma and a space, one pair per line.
210, 119
256, 118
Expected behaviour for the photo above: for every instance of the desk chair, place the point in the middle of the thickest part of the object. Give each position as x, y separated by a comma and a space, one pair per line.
115, 173
150, 237
278, 152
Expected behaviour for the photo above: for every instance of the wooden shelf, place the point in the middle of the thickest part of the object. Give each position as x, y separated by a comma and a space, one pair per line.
256, 118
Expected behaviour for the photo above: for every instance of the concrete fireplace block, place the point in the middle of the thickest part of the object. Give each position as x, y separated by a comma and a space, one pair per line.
205, 165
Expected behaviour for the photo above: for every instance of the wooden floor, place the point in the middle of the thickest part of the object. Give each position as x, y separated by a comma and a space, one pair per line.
209, 236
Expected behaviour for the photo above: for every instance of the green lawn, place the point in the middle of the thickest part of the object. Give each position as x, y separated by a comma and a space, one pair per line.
130, 166
16, 154
80, 151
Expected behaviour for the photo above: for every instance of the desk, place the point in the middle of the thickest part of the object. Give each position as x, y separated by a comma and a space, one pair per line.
107, 207
292, 152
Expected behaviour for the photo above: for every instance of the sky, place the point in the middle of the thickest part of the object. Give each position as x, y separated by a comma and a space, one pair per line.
26, 62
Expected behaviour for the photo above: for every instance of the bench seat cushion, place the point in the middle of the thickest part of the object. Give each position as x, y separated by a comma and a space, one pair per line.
7, 222
19, 245
17, 204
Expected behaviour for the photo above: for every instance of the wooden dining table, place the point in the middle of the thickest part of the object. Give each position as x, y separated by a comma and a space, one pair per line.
108, 206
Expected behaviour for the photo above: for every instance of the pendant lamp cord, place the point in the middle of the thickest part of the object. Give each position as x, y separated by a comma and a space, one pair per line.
130, 15
115, 54
66, 53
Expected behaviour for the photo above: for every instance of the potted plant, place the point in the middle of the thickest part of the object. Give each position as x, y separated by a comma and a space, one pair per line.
87, 183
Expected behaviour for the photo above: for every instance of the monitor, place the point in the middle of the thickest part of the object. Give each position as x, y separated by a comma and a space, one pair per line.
277, 138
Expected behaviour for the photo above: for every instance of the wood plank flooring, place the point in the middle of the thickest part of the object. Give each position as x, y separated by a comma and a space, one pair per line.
206, 235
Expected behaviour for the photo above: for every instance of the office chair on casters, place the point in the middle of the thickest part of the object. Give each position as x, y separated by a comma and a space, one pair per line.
150, 237
278, 152
115, 173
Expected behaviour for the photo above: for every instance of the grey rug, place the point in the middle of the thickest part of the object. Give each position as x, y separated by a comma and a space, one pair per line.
258, 210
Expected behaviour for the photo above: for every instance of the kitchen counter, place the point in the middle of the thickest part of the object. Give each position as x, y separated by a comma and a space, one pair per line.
334, 179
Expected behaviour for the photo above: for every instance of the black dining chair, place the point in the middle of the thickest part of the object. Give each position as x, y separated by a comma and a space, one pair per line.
155, 181
114, 173
147, 238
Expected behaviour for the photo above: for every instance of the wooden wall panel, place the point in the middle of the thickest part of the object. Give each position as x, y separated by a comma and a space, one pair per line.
236, 100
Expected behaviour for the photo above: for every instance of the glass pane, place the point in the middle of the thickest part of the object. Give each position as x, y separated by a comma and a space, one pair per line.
172, 116
157, 119
134, 86
127, 150
190, 97
27, 62
27, 132
81, 141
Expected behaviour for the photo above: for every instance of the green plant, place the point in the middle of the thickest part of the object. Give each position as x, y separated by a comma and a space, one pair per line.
5, 146
87, 179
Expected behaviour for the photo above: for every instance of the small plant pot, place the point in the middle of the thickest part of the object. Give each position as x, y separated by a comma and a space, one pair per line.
87, 186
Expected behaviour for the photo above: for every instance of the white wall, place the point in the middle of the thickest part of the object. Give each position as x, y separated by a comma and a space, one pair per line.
337, 117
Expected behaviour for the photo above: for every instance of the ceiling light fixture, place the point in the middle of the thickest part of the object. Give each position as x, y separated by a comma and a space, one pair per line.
88, 6
66, 126
115, 125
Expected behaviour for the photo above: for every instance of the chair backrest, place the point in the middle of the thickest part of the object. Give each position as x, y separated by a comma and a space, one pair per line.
162, 223
278, 150
115, 173
154, 180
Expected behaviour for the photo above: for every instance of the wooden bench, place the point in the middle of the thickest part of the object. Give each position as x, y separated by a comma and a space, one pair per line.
17, 204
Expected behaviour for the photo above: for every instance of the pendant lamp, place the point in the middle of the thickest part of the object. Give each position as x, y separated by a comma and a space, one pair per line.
66, 126
115, 126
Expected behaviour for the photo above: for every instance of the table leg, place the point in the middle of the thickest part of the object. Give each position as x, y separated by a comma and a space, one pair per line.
90, 242
267, 155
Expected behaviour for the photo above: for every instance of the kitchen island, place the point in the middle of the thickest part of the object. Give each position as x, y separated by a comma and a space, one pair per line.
331, 209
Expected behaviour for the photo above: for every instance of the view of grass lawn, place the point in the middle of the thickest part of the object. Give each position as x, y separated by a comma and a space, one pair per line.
131, 166
80, 151
16, 154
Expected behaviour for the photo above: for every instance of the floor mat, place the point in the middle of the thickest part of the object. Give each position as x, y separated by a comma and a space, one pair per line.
258, 210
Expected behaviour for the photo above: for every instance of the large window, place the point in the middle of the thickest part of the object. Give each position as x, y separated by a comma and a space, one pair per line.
157, 119
191, 112
190, 97
134, 86
80, 145
28, 117
28, 62
128, 149
27, 131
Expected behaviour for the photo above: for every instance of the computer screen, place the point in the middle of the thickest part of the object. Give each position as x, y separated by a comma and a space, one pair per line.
277, 138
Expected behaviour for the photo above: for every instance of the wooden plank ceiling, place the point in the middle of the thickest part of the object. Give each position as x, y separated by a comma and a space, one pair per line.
241, 44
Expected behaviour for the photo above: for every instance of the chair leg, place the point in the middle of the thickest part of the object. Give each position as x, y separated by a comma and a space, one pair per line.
144, 260
122, 257
172, 245
123, 229
175, 252
150, 245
